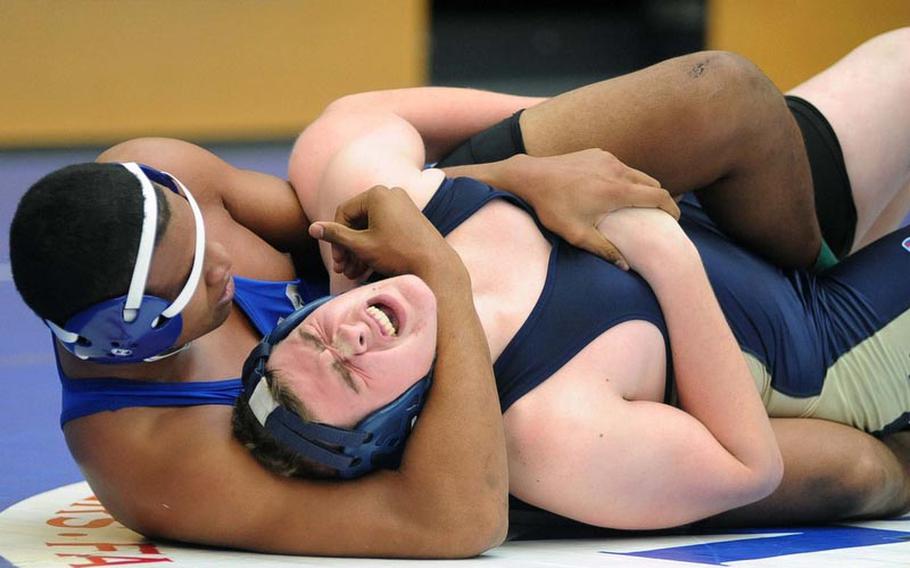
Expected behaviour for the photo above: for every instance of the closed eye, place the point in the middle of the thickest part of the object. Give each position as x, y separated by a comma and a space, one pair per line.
345, 375
340, 370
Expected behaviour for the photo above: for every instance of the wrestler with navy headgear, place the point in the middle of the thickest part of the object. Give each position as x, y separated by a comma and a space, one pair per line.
349, 330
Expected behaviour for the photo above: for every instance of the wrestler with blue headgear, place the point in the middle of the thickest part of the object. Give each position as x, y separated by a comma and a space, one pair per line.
137, 326
165, 422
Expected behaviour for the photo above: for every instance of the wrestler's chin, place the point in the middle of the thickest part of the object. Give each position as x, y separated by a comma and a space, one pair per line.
220, 315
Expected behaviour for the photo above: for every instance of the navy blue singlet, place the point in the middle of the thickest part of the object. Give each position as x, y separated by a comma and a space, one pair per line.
583, 296
797, 324
264, 303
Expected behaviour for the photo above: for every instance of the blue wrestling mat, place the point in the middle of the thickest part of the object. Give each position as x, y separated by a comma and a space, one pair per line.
48, 516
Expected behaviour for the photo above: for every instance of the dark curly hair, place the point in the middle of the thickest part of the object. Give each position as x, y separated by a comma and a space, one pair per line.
74, 238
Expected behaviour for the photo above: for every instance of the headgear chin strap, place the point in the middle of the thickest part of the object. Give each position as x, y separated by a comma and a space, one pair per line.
136, 327
376, 441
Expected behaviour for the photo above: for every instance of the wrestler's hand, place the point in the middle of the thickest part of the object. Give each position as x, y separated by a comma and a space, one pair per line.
573, 192
382, 230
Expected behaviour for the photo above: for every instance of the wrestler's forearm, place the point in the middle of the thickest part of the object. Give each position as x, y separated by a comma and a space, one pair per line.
456, 457
453, 481
512, 174
503, 174
444, 116
713, 382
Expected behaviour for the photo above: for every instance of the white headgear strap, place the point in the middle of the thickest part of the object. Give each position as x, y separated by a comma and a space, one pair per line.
147, 246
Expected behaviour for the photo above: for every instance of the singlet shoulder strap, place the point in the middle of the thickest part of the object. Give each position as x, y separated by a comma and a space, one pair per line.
459, 198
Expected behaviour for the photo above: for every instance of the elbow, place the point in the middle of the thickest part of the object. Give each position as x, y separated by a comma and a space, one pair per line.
768, 477
353, 102
151, 523
475, 532
772, 482
462, 527
340, 103
491, 529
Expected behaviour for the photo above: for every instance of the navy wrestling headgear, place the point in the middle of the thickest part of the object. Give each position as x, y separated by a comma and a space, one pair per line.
136, 327
376, 441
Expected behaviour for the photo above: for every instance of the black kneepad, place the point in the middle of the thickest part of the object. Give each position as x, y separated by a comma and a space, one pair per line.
496, 143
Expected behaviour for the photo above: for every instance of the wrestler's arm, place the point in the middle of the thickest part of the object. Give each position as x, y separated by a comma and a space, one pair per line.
444, 116
263, 204
598, 181
720, 452
447, 499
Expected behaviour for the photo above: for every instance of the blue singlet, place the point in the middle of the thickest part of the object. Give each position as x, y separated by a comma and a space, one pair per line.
264, 303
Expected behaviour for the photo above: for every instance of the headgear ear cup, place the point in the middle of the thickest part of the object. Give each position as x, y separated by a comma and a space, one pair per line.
136, 327
376, 441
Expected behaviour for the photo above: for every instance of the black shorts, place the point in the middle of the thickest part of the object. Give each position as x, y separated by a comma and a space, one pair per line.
498, 142
834, 204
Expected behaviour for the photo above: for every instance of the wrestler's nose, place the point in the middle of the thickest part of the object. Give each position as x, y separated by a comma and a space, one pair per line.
353, 338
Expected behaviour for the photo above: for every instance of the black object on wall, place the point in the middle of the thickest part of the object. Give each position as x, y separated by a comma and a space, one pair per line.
535, 47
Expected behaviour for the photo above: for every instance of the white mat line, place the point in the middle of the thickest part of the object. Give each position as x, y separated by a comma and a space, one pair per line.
6, 272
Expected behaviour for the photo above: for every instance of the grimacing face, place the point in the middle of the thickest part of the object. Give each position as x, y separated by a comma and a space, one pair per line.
361, 350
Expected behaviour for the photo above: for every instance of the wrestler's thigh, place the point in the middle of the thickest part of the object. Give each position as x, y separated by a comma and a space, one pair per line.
864, 97
890, 218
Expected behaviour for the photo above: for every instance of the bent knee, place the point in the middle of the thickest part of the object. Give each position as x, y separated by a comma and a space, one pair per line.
731, 71
868, 488
733, 97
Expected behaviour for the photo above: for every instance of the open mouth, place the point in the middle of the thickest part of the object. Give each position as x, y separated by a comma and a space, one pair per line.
385, 317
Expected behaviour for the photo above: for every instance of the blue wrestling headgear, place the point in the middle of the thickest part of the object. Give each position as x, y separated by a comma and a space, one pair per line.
376, 441
136, 327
